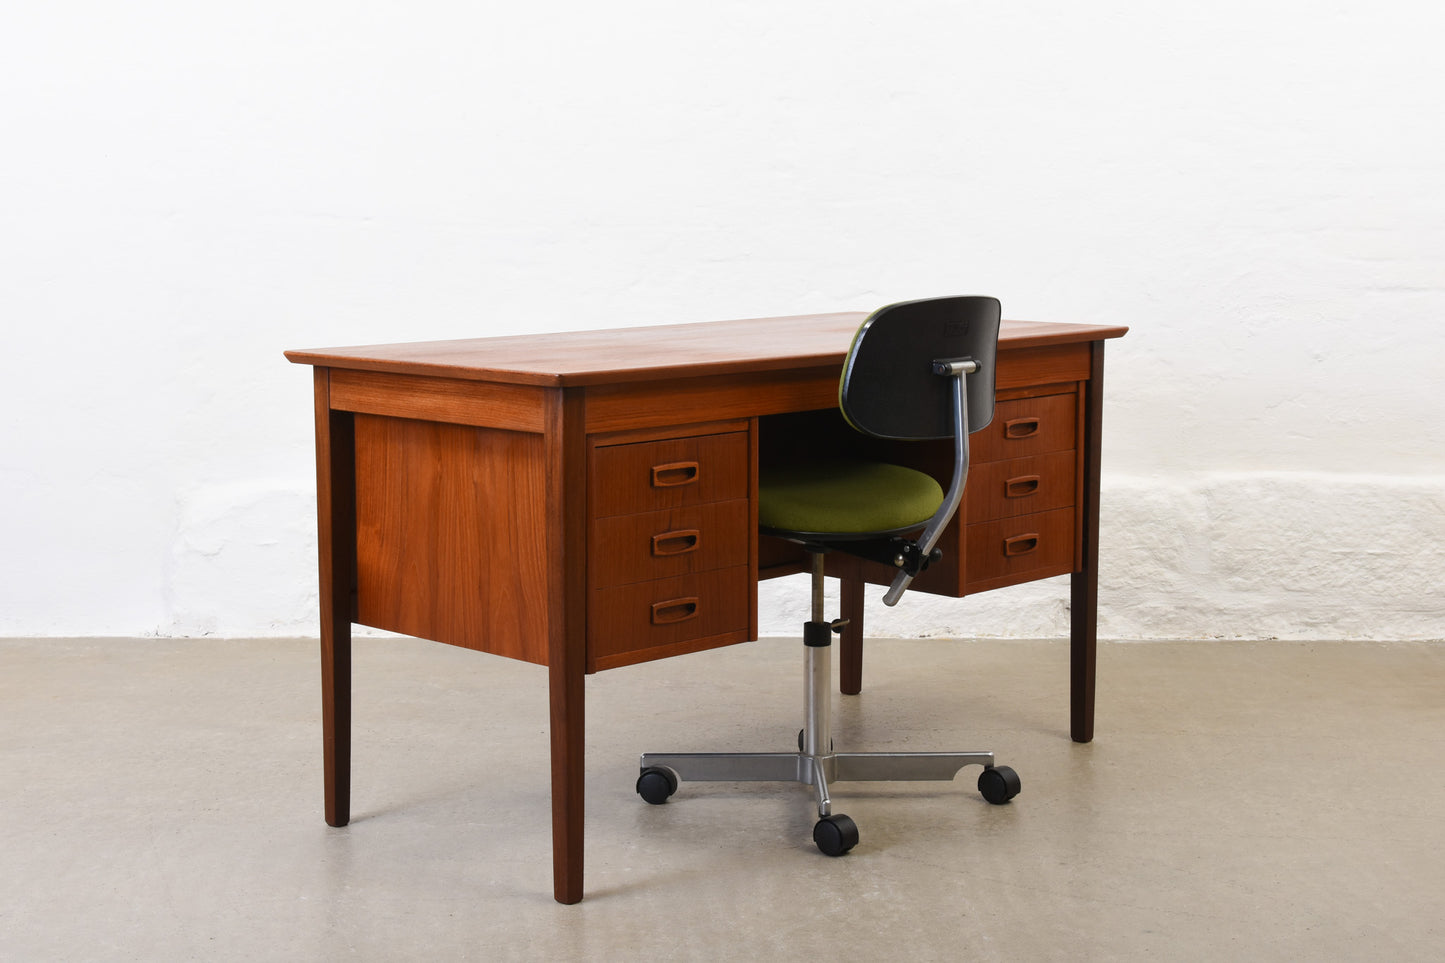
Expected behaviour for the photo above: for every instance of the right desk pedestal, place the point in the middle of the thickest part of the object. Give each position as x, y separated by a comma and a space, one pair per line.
1030, 511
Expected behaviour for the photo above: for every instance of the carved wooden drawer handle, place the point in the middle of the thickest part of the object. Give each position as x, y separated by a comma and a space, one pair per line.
673, 474
1021, 544
1021, 428
676, 543
1021, 486
673, 610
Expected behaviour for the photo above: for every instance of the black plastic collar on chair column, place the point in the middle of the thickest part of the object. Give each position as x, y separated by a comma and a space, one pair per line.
817, 635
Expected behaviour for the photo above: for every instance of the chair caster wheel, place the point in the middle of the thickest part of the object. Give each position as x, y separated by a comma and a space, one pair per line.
835, 834
656, 784
999, 784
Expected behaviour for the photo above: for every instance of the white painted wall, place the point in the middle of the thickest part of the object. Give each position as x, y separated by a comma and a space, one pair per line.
187, 189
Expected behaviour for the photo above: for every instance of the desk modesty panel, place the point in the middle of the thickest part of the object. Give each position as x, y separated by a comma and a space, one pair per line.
588, 500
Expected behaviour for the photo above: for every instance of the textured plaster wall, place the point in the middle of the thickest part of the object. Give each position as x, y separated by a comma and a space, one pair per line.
1288, 555
187, 189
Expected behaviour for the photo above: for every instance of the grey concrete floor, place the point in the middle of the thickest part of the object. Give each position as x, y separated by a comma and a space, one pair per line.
160, 800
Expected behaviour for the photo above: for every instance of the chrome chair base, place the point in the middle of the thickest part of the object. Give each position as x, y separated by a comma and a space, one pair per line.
820, 772
815, 763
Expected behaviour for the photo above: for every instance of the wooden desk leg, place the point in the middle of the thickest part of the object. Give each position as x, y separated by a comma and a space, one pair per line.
568, 742
1084, 584
1083, 653
336, 553
850, 643
336, 722
566, 500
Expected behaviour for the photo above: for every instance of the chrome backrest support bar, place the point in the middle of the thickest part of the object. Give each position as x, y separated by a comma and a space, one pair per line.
958, 370
955, 366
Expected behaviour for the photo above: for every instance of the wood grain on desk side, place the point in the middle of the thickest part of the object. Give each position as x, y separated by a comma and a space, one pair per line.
450, 521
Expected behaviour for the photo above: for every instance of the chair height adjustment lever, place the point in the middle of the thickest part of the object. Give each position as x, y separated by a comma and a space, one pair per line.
913, 561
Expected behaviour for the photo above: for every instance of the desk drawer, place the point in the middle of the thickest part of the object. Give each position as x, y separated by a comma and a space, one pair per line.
672, 473
1020, 486
1027, 426
629, 618
1031, 546
634, 548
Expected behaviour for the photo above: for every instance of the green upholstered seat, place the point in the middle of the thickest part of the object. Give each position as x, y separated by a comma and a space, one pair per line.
835, 498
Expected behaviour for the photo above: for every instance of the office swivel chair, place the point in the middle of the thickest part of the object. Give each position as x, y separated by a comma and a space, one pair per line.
916, 370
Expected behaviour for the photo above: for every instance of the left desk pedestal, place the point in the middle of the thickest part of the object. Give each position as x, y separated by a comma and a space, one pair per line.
536, 445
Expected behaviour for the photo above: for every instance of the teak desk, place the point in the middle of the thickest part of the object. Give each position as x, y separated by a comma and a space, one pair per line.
585, 501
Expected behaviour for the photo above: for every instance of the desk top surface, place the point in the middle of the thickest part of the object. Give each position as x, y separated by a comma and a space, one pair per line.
615, 355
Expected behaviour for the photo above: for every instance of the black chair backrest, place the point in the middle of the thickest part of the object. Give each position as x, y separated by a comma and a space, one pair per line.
888, 388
